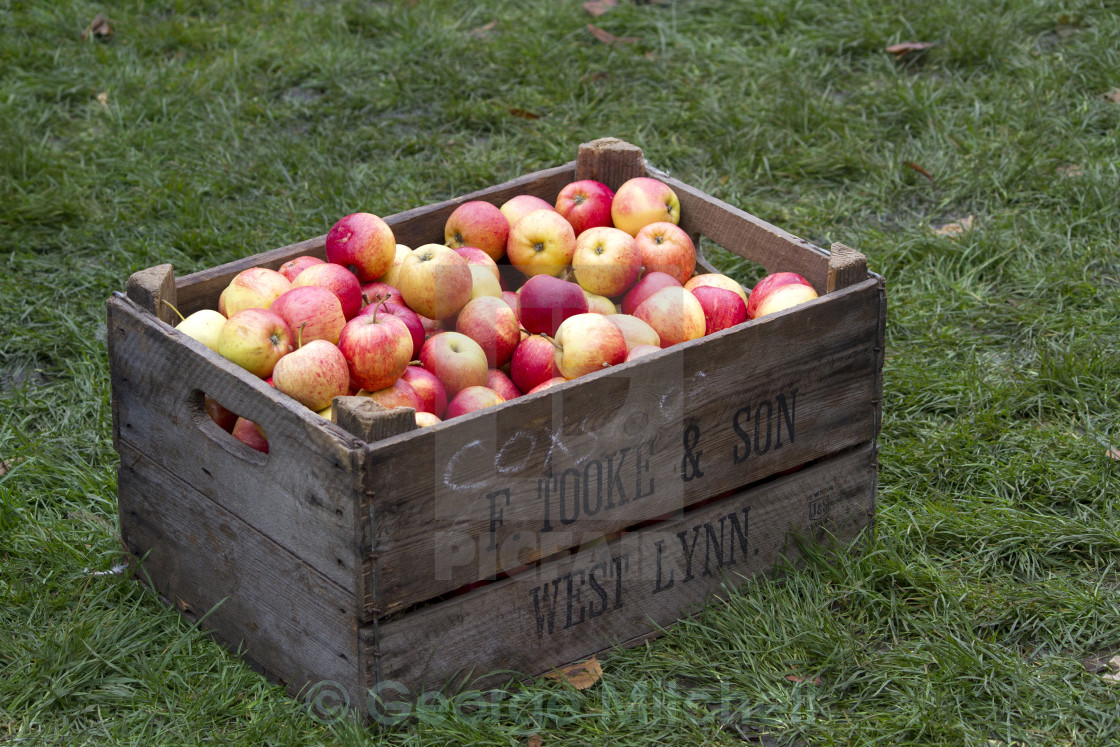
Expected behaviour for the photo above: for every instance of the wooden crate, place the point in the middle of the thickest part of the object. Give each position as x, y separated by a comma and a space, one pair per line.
378, 557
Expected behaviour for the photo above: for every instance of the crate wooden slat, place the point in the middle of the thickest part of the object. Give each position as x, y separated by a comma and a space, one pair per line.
370, 552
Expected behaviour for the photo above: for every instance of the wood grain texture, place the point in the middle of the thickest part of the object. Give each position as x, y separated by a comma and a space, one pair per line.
370, 421
610, 161
153, 290
610, 592
846, 267
257, 598
304, 494
467, 498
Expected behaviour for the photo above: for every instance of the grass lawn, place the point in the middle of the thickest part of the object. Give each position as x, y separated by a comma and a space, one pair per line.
203, 131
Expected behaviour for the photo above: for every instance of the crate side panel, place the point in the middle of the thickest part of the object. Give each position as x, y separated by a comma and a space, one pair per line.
304, 495
463, 500
612, 592
253, 595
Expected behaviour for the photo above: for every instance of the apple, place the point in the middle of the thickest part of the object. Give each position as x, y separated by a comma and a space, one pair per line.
768, 285
586, 343
634, 330
606, 261
639, 350
784, 297
313, 375
479, 258
378, 348
480, 224
641, 201
398, 394
424, 419
716, 280
533, 362
433, 396
492, 324
220, 415
362, 243
250, 434
599, 304
585, 204
545, 302
393, 273
674, 314
254, 288
435, 281
294, 267
502, 384
486, 279
471, 399
339, 281
255, 339
649, 284
541, 243
457, 360
431, 326
518, 206
204, 326
722, 308
665, 247
547, 384
312, 312
410, 318
380, 291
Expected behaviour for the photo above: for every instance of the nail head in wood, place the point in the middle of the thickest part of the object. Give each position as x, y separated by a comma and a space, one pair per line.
150, 288
610, 161
846, 267
370, 421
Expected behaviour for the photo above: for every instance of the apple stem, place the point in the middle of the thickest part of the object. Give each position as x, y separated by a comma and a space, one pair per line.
553, 341
179, 313
299, 336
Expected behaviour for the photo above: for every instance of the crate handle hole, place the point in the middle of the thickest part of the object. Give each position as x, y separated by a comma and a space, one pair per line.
239, 436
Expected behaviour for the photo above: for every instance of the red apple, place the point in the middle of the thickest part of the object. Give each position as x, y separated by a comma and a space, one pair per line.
380, 291
716, 280
338, 280
674, 314
606, 261
486, 280
649, 284
435, 281
547, 384
492, 324
250, 434
313, 375
220, 415
722, 308
457, 360
600, 304
433, 397
502, 384
410, 318
312, 313
255, 339
517, 207
480, 224
641, 201
665, 247
472, 399
513, 300
476, 256
424, 419
432, 327
533, 362
784, 297
585, 204
639, 350
398, 394
541, 243
254, 288
377, 347
545, 302
586, 343
362, 243
768, 285
294, 267
393, 273
634, 330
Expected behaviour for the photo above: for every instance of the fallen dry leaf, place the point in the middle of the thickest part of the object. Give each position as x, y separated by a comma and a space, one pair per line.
523, 113
6, 465
919, 169
903, 48
1113, 453
103, 98
955, 228
1113, 96
1070, 169
599, 7
483, 32
608, 38
794, 678
1114, 665
99, 28
580, 676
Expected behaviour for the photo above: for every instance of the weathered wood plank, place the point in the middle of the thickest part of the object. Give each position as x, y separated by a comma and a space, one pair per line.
569, 608
846, 267
257, 598
412, 228
465, 499
304, 494
153, 290
610, 161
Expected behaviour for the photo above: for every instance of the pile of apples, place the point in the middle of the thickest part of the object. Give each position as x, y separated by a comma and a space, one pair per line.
519, 298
